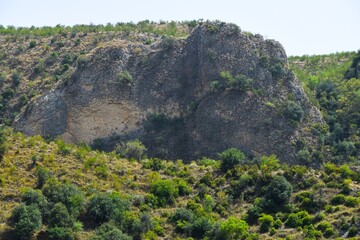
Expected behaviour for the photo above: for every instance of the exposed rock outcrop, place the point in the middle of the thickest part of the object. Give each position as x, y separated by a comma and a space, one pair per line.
162, 94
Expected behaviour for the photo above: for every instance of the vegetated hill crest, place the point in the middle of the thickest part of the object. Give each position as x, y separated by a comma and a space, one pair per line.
184, 98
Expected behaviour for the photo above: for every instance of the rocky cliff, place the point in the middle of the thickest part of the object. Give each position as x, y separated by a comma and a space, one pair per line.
183, 98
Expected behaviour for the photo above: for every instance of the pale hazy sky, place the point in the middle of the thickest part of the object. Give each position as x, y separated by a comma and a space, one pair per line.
302, 26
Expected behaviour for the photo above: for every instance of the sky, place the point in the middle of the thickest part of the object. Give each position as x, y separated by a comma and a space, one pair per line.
301, 26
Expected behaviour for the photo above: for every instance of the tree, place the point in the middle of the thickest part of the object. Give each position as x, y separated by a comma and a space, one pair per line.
26, 220
293, 110
60, 233
278, 193
199, 227
66, 193
165, 190
234, 228
104, 206
60, 217
108, 231
231, 157
132, 149
35, 197
266, 222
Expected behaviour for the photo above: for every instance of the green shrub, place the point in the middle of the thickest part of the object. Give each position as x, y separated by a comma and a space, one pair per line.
66, 193
16, 78
42, 176
293, 110
311, 233
199, 227
105, 206
278, 193
181, 214
351, 201
253, 214
231, 157
277, 224
108, 231
353, 231
233, 228
125, 78
266, 222
299, 219
165, 190
26, 220
3, 143
60, 217
277, 70
338, 199
35, 197
2, 78
154, 164
132, 149
32, 44
326, 229
60, 233
304, 156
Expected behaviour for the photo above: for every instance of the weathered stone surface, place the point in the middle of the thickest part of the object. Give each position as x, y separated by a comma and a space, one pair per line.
170, 105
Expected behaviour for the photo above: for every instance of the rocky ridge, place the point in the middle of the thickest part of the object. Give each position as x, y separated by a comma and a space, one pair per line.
184, 98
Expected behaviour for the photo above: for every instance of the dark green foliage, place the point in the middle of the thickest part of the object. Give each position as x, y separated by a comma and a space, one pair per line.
60, 233
253, 214
304, 156
3, 143
2, 78
293, 110
26, 220
105, 206
199, 227
60, 217
82, 61
42, 176
278, 193
181, 214
32, 44
240, 82
16, 78
8, 93
108, 231
154, 164
231, 157
311, 233
277, 70
338, 199
299, 219
353, 231
66, 193
354, 69
266, 222
35, 197
166, 191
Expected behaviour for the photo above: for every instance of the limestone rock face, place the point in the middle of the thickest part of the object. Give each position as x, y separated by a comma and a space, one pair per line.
168, 100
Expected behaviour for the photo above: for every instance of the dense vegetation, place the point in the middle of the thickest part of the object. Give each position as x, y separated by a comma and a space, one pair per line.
57, 191
332, 82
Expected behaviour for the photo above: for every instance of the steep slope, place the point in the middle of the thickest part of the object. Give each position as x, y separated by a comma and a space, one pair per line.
184, 98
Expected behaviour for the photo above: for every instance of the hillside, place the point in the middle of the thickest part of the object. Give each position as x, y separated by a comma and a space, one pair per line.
158, 199
332, 83
183, 97
209, 132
